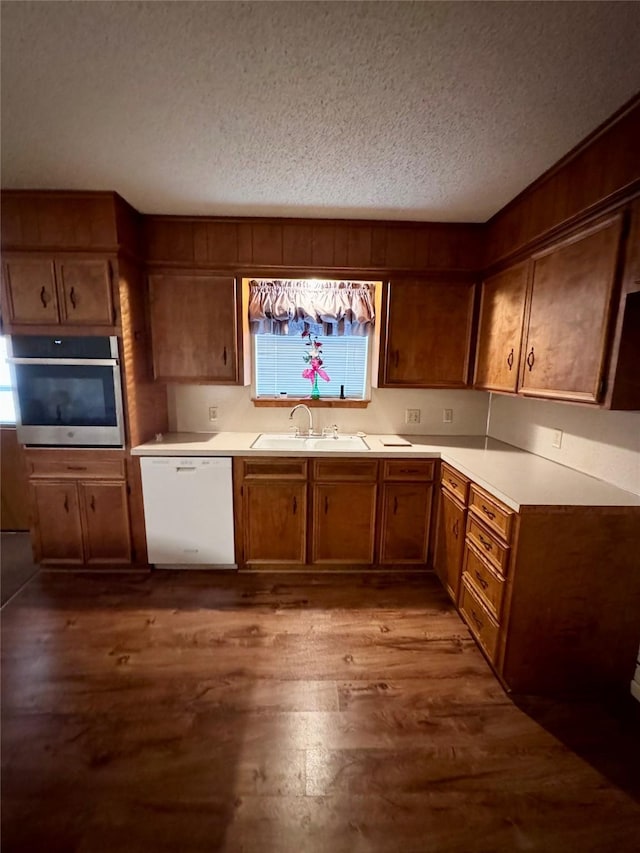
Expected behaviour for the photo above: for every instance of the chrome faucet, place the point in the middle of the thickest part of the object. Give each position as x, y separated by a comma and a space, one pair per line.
307, 410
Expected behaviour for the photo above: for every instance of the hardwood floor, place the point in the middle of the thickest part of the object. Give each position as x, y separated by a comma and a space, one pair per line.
208, 711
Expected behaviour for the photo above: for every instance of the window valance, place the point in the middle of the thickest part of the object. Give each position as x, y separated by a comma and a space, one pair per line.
284, 307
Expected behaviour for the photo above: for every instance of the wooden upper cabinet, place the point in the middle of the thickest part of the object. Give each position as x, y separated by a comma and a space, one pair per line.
84, 287
30, 291
500, 330
58, 291
572, 289
427, 337
195, 328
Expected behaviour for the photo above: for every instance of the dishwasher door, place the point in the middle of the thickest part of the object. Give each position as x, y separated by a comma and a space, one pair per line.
188, 511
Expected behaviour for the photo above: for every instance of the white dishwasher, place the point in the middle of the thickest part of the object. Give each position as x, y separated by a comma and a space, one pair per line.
188, 510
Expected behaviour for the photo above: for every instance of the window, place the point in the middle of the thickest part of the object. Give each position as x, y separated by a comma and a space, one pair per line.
279, 365
287, 316
7, 409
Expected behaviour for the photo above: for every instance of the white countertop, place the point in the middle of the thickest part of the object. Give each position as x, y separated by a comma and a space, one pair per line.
512, 475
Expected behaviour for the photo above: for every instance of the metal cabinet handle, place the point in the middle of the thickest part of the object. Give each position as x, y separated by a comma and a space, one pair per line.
72, 297
326, 505
224, 356
488, 512
486, 544
66, 503
453, 482
44, 297
481, 580
76, 467
295, 505
92, 503
510, 359
395, 505
531, 359
456, 527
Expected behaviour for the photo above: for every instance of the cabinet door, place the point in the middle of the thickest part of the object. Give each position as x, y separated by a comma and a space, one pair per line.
274, 522
571, 296
194, 328
450, 544
105, 516
343, 523
427, 335
84, 286
58, 530
404, 522
31, 291
500, 330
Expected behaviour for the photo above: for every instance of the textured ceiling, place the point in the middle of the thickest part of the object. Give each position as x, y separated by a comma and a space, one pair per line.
404, 110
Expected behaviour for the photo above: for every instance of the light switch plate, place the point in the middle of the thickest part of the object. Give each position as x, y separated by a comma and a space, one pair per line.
447, 416
213, 413
557, 438
412, 416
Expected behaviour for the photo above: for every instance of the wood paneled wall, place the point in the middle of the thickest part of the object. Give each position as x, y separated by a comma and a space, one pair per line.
603, 169
314, 245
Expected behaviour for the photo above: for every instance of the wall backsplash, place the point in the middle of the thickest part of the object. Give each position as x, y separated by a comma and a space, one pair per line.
601, 443
189, 412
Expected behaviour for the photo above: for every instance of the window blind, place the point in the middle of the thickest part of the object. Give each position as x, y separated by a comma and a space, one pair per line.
279, 365
7, 410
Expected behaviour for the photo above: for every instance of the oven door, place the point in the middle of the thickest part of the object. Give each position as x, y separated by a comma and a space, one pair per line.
68, 402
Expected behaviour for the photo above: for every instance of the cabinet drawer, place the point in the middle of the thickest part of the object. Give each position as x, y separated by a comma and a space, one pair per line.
345, 469
488, 545
481, 624
275, 468
489, 586
408, 469
82, 464
455, 483
493, 513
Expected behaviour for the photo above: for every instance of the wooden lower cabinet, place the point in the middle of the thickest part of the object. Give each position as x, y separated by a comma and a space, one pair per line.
275, 522
80, 508
450, 543
343, 527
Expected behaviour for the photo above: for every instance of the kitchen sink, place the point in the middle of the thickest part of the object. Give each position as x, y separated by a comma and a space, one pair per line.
286, 441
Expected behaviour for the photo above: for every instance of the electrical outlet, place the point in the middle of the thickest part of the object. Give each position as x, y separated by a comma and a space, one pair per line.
412, 416
213, 413
447, 416
557, 438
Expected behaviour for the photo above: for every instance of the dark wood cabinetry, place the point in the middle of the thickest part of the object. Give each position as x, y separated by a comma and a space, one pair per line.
426, 339
65, 291
502, 309
344, 511
81, 509
195, 328
567, 327
452, 514
405, 511
272, 494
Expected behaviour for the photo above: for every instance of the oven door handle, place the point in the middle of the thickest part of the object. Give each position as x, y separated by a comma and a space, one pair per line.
68, 362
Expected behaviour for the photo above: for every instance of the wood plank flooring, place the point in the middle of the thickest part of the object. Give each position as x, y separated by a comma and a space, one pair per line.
185, 711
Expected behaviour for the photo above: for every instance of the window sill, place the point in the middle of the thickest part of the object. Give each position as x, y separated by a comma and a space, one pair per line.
327, 402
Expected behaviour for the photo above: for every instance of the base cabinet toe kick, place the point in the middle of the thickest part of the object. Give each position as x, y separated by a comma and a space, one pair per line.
551, 594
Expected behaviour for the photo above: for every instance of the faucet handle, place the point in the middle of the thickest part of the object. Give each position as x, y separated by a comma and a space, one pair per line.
330, 431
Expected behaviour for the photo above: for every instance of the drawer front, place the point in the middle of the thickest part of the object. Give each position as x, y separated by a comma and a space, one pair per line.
493, 513
488, 544
455, 483
79, 465
345, 469
408, 469
481, 624
260, 467
488, 585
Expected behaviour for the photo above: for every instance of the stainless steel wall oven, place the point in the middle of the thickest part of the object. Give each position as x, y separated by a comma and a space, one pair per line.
67, 390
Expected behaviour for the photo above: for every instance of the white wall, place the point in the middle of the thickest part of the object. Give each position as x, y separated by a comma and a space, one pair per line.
189, 412
603, 444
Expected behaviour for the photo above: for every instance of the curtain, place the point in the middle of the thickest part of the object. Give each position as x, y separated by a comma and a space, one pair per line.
284, 307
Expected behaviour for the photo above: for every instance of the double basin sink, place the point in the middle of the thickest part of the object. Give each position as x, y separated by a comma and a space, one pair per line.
286, 441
